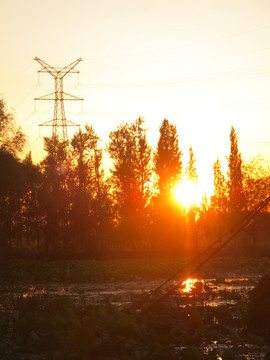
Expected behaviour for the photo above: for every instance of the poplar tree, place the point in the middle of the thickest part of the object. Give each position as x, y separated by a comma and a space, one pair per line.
55, 168
235, 181
90, 200
131, 173
168, 222
219, 200
83, 145
191, 171
167, 161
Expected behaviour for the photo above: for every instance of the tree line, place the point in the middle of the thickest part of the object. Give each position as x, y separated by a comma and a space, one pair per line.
67, 206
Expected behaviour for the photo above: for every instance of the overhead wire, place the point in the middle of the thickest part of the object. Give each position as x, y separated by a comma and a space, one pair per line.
178, 58
185, 46
234, 106
240, 74
232, 232
198, 256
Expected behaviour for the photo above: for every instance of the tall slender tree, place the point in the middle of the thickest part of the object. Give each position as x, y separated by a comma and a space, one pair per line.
131, 175
31, 231
219, 200
191, 171
131, 157
167, 214
90, 200
191, 174
235, 181
168, 164
55, 168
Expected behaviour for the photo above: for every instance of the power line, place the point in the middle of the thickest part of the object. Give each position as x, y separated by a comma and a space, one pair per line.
21, 101
241, 74
235, 106
224, 239
188, 45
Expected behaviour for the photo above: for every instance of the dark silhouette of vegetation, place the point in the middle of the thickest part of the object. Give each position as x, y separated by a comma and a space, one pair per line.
259, 308
42, 325
219, 200
191, 171
167, 231
235, 180
131, 176
168, 164
12, 140
69, 205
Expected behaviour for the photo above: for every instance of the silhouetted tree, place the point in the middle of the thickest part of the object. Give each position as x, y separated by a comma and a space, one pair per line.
131, 157
91, 213
256, 184
204, 223
167, 228
11, 189
12, 179
55, 167
235, 181
83, 145
32, 215
256, 181
12, 140
131, 174
168, 164
143, 164
191, 175
219, 200
191, 171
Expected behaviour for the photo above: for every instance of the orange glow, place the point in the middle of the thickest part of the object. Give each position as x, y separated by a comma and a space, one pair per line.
189, 283
188, 193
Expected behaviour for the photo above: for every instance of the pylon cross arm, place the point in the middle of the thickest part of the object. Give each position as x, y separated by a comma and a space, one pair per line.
52, 123
58, 70
55, 96
59, 123
69, 68
46, 67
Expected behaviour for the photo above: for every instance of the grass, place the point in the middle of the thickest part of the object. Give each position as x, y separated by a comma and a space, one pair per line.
102, 271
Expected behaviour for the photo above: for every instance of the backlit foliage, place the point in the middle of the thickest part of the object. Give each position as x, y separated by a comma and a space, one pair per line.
72, 205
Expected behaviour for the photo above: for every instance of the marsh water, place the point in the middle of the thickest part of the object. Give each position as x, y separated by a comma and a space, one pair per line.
212, 292
223, 290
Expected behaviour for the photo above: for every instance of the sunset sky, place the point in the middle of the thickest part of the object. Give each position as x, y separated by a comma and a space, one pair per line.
204, 65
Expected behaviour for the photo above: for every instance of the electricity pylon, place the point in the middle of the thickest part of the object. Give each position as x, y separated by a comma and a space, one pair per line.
59, 123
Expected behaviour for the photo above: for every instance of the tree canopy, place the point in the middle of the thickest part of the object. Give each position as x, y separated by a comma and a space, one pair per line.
69, 205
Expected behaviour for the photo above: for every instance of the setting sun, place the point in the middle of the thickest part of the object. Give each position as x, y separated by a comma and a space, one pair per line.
188, 193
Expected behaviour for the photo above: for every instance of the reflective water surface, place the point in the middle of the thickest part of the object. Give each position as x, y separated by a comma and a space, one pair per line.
200, 292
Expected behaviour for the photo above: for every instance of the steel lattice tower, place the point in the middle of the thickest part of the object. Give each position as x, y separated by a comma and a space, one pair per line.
59, 123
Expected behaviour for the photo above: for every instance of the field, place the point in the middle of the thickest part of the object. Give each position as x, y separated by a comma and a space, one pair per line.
103, 310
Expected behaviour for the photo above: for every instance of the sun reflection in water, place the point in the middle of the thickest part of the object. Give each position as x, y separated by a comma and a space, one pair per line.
188, 285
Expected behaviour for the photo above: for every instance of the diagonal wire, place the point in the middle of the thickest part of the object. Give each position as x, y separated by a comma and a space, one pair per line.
238, 227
